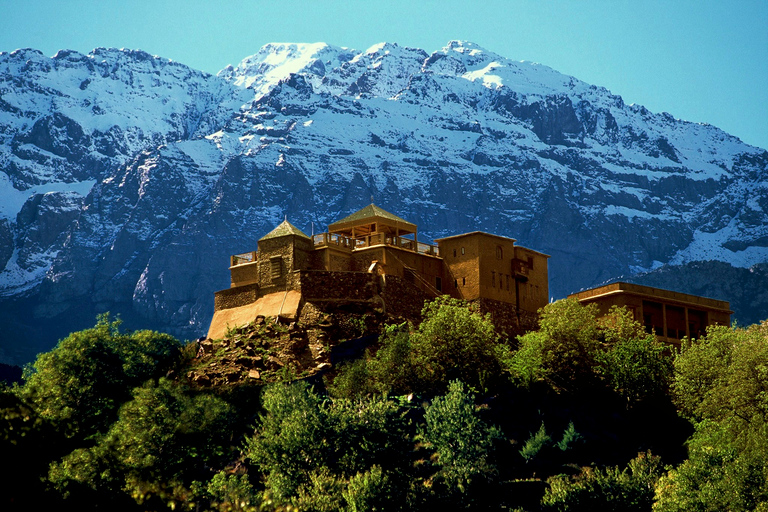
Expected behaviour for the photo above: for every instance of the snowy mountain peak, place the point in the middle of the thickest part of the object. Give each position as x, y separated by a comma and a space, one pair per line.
276, 61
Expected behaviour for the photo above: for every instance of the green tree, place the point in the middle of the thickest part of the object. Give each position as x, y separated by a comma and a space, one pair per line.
634, 363
232, 493
82, 382
564, 350
452, 342
162, 441
535, 443
721, 383
311, 450
719, 474
463, 444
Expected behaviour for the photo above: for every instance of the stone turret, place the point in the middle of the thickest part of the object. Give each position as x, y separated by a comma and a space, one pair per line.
282, 251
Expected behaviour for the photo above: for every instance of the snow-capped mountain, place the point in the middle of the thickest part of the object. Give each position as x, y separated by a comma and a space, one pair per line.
126, 180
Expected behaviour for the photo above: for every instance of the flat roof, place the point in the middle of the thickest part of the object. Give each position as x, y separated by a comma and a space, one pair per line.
472, 233
651, 293
483, 233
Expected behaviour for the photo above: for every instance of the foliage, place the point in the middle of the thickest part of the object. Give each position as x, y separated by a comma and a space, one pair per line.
452, 342
611, 489
564, 349
232, 493
570, 438
365, 491
573, 348
395, 368
635, 364
163, 439
717, 475
526, 364
310, 450
721, 382
535, 443
724, 376
463, 443
353, 380
82, 382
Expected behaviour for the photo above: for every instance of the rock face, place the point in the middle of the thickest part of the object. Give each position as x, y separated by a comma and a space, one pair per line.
126, 180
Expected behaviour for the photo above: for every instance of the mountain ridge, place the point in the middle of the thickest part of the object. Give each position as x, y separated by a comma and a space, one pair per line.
139, 217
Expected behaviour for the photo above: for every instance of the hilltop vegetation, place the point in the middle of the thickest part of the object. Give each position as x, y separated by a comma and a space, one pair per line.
581, 414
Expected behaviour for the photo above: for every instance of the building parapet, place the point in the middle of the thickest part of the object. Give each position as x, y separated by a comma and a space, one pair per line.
650, 292
246, 257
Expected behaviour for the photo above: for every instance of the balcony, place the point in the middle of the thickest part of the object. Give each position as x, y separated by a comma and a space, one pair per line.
376, 239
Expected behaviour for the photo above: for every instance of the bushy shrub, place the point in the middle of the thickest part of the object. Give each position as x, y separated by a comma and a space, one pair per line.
570, 438
611, 489
721, 383
535, 443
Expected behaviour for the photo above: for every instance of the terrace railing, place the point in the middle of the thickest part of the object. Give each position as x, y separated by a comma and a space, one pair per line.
246, 257
351, 244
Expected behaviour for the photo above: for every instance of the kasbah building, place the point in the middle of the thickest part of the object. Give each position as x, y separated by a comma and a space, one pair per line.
373, 260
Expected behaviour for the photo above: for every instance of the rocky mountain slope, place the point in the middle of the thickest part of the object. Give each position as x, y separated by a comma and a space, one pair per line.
126, 180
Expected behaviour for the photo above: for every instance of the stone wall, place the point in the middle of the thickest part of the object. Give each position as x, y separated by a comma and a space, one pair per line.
235, 297
402, 299
319, 285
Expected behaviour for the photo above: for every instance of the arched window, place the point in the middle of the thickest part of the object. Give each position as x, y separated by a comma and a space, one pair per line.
499, 253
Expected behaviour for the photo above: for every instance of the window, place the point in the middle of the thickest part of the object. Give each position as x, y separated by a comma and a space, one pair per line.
530, 262
463, 281
462, 250
276, 266
507, 282
439, 284
499, 253
493, 279
454, 253
456, 283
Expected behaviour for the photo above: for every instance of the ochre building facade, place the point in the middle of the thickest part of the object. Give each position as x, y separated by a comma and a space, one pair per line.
375, 256
668, 314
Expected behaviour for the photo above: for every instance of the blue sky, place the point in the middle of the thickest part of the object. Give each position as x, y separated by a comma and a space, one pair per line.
703, 61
